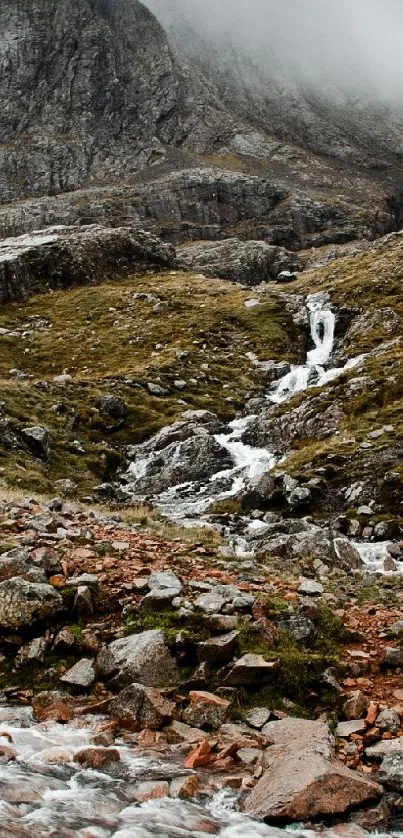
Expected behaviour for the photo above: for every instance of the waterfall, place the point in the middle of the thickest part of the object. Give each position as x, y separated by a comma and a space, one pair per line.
322, 324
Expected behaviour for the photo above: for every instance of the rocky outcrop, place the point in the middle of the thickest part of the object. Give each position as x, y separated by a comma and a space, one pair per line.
62, 258
249, 262
303, 779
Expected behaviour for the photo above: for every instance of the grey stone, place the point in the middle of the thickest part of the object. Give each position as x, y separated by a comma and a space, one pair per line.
345, 729
391, 771
38, 440
388, 720
82, 674
258, 717
23, 603
138, 706
310, 588
142, 658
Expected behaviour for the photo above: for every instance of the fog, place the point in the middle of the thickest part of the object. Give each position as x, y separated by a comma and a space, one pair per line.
354, 45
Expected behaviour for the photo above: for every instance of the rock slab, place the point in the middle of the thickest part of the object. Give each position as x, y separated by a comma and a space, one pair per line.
303, 778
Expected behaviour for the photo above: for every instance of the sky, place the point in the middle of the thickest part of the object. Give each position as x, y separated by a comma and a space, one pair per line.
353, 44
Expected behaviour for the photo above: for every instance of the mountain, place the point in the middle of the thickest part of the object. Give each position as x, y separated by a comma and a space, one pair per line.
98, 97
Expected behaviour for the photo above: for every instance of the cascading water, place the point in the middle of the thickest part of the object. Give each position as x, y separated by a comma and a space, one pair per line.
322, 324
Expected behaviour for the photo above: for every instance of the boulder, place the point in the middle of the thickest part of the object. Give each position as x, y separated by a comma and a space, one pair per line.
17, 563
303, 778
97, 757
141, 658
196, 458
80, 675
138, 707
206, 710
63, 257
38, 441
391, 771
23, 603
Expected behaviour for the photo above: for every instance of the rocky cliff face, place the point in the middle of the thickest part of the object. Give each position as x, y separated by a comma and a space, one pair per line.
90, 91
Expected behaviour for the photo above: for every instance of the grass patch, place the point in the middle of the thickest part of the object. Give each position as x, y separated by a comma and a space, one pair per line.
111, 341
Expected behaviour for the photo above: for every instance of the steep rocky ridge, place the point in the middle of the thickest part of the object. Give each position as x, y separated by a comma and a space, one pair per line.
117, 105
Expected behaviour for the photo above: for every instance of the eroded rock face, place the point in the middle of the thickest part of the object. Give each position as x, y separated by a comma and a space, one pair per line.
249, 262
64, 257
22, 603
303, 779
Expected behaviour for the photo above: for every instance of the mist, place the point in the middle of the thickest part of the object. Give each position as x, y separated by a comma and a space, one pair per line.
351, 45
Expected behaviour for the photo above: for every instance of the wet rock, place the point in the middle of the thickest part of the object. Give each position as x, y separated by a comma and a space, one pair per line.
82, 674
141, 658
38, 441
347, 555
151, 790
184, 787
97, 757
303, 779
195, 458
218, 650
252, 669
23, 603
206, 709
52, 706
200, 756
138, 707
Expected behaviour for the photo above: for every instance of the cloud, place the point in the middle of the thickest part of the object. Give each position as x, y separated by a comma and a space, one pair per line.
351, 44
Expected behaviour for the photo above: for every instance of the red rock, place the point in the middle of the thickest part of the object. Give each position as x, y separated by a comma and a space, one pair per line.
224, 764
184, 787
58, 581
153, 790
372, 713
7, 753
52, 706
199, 756
97, 757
